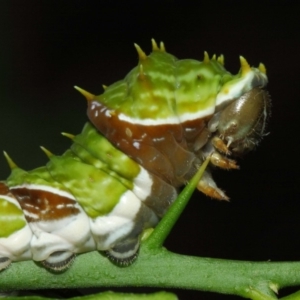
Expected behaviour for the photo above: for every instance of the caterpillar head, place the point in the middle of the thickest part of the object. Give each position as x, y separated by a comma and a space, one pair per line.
242, 123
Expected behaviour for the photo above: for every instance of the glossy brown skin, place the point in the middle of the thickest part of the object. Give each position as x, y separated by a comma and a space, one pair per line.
4, 190
45, 206
242, 123
164, 150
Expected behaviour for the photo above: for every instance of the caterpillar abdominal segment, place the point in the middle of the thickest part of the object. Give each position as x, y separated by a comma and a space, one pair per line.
148, 134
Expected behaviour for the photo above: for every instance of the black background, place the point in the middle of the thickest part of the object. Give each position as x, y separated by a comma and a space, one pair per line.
49, 46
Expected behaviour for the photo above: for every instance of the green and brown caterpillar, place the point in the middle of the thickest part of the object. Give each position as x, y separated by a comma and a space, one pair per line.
148, 134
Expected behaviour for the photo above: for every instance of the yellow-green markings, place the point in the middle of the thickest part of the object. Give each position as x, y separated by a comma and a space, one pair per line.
161, 87
37, 177
96, 192
11, 218
113, 159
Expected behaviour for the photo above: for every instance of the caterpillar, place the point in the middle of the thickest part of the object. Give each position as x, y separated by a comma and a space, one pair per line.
147, 136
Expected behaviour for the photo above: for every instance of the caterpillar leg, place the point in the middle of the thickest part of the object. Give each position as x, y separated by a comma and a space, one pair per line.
208, 186
4, 262
223, 162
59, 261
124, 253
220, 145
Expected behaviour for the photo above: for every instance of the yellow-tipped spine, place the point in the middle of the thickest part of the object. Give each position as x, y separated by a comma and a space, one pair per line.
206, 59
10, 162
141, 53
86, 94
262, 68
68, 135
245, 67
46, 151
141, 72
162, 47
154, 45
220, 59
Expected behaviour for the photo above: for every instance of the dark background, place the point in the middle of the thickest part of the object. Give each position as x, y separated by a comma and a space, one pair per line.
49, 46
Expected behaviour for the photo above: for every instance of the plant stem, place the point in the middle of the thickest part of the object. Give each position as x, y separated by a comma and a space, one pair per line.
160, 269
109, 296
165, 226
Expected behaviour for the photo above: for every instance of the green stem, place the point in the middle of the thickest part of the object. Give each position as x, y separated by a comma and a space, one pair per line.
109, 296
294, 296
165, 226
160, 268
